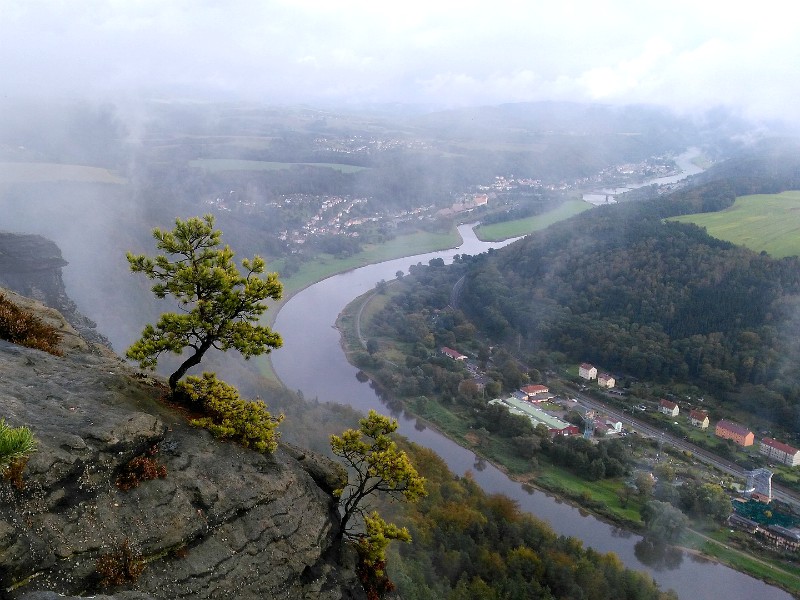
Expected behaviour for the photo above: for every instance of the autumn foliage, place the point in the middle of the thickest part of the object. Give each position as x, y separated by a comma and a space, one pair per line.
25, 329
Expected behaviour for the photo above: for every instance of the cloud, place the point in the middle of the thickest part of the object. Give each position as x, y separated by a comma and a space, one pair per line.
681, 53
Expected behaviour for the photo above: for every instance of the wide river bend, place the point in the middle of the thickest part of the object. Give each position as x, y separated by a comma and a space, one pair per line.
313, 362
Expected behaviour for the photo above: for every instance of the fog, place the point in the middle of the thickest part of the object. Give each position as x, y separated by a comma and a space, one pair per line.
93, 83
113, 113
685, 55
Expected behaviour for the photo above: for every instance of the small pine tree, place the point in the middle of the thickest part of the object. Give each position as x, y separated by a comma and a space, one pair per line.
221, 307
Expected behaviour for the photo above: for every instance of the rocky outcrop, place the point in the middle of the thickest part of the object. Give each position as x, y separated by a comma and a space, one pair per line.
31, 266
225, 522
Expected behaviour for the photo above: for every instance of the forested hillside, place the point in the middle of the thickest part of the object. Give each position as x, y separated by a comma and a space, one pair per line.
469, 545
620, 287
662, 301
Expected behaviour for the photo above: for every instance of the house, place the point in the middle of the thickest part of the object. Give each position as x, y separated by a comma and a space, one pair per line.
728, 430
613, 425
601, 429
782, 537
699, 418
565, 431
668, 408
780, 452
587, 371
535, 393
606, 381
454, 354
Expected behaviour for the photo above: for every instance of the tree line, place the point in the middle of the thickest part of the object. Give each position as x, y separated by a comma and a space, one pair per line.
661, 301
476, 546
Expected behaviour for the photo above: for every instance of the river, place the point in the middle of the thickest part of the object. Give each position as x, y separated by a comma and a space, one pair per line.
684, 162
313, 362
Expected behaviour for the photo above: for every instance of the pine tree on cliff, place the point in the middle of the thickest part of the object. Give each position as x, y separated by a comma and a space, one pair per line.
220, 307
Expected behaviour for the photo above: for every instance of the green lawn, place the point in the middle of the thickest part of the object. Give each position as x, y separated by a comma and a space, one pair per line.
763, 222
327, 265
770, 570
404, 245
502, 231
30, 172
232, 164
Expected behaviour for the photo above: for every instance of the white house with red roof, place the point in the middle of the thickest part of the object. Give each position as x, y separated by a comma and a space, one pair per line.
780, 452
535, 392
699, 418
668, 408
587, 371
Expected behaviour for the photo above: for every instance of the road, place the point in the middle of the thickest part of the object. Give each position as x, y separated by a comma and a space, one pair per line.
778, 492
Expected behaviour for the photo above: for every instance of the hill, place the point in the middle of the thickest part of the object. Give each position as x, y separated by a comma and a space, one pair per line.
655, 300
659, 300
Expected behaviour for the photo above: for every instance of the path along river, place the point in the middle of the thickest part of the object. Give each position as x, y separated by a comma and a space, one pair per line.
313, 362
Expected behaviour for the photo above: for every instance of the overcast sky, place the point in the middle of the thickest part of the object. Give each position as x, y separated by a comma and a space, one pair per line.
685, 54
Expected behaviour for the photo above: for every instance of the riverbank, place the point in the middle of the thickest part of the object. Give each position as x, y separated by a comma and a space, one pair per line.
600, 499
327, 266
509, 229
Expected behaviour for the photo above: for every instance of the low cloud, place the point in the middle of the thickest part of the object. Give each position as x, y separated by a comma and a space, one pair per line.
683, 54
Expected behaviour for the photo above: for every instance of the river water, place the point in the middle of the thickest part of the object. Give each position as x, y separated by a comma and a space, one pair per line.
684, 162
312, 361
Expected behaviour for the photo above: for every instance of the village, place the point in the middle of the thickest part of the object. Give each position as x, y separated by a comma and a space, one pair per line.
355, 216
754, 512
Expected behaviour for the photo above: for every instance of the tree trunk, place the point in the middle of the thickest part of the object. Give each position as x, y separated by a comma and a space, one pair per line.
190, 362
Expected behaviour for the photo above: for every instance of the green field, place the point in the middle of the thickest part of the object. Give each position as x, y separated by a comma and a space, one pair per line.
502, 231
764, 222
405, 245
231, 164
719, 545
30, 172
326, 265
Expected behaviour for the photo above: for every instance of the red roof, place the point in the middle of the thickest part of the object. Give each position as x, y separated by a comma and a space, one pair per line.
698, 415
451, 353
668, 404
773, 443
586, 367
535, 389
733, 427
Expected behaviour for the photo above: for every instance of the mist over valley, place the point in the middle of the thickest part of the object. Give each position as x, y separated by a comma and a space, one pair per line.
645, 156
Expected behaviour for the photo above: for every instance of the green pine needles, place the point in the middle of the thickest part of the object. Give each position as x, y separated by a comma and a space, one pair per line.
228, 416
16, 443
220, 307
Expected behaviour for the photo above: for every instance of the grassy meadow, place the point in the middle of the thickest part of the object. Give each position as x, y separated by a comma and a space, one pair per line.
763, 222
326, 265
404, 245
215, 165
502, 231
32, 172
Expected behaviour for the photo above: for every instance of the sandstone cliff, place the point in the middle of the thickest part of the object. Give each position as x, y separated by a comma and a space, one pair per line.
31, 265
225, 522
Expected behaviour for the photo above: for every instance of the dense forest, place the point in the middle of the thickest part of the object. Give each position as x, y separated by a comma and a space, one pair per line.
621, 287
468, 545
